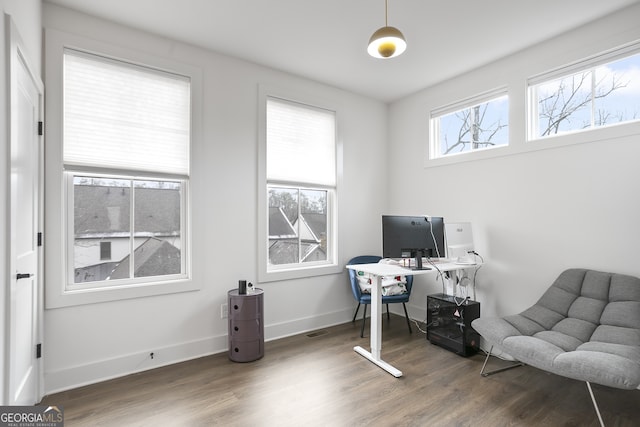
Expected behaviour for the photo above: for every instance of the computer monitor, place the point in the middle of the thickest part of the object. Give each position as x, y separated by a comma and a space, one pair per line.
412, 237
459, 242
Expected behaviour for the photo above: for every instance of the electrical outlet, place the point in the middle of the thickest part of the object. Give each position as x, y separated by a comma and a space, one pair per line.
223, 311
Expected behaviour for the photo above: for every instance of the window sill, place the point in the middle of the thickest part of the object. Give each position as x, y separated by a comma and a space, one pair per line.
298, 273
469, 156
66, 298
608, 133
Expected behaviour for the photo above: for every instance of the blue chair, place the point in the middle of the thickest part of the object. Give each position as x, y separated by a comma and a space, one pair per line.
366, 298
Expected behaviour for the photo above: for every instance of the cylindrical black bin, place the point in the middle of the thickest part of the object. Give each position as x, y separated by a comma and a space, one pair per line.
246, 325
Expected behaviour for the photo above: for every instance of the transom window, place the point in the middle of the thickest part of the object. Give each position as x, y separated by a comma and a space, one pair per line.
126, 160
594, 94
477, 123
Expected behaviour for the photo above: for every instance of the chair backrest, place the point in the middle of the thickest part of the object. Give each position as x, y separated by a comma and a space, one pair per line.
409, 284
353, 278
606, 304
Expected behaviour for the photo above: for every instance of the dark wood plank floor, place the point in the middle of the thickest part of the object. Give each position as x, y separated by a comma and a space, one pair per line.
318, 380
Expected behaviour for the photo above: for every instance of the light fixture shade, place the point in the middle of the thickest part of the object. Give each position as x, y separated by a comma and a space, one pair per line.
386, 42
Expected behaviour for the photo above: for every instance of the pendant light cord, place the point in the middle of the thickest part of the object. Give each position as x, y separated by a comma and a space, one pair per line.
386, 12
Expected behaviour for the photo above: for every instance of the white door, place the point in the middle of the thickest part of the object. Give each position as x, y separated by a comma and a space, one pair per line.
25, 295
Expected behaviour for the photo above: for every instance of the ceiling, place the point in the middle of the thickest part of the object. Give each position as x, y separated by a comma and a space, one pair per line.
325, 40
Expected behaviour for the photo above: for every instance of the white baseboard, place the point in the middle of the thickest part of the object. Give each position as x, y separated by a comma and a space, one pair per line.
106, 369
307, 324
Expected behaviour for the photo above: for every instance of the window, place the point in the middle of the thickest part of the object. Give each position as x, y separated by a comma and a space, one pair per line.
105, 251
141, 218
126, 166
300, 186
475, 124
297, 225
593, 95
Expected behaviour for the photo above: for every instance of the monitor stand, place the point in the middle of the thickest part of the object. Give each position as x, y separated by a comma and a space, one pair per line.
418, 265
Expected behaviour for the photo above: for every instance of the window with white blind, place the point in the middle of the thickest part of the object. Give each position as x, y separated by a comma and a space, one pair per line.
126, 150
299, 147
124, 116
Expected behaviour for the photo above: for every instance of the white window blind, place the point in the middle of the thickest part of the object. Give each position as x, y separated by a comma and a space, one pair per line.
124, 116
300, 143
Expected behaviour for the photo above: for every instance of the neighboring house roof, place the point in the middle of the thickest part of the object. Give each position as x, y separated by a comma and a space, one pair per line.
317, 222
104, 211
154, 257
283, 251
286, 252
279, 226
283, 238
313, 227
94, 273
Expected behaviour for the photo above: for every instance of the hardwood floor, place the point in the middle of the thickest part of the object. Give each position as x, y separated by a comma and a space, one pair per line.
317, 379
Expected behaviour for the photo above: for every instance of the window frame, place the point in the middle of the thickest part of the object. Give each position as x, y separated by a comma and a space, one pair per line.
57, 221
437, 113
588, 64
331, 197
71, 285
299, 270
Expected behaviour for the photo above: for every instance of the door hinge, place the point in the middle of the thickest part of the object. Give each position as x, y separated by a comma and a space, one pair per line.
40, 129
40, 238
38, 350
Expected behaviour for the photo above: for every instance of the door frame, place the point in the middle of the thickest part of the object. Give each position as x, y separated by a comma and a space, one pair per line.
17, 54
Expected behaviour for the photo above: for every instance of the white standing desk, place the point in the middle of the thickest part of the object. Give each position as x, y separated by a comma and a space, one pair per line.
379, 271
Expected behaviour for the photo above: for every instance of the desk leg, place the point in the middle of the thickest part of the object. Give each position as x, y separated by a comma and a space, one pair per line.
376, 331
376, 318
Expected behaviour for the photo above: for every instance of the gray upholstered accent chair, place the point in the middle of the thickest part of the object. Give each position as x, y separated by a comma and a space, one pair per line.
586, 326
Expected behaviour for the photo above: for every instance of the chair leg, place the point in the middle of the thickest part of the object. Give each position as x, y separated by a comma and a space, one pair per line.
364, 320
495, 371
595, 405
355, 314
388, 315
407, 316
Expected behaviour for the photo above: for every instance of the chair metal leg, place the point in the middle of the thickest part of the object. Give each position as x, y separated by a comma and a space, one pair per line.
495, 371
595, 405
364, 320
407, 316
364, 317
355, 314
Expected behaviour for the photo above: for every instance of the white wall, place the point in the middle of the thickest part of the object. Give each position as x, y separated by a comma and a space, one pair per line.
88, 343
536, 213
26, 15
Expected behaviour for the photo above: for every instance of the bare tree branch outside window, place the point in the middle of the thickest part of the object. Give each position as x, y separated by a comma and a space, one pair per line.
596, 97
481, 126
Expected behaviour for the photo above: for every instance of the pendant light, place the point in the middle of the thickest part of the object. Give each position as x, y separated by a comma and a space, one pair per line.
386, 42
